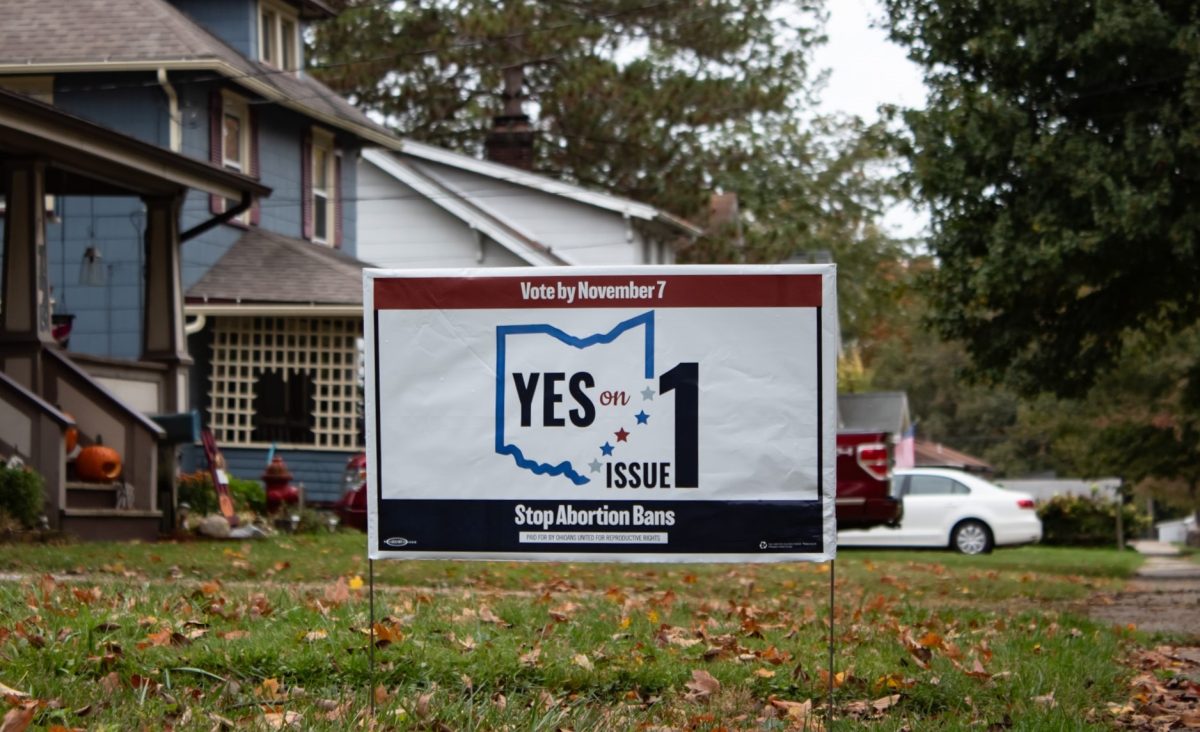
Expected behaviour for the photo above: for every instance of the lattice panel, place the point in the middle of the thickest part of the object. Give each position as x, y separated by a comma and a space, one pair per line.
328, 349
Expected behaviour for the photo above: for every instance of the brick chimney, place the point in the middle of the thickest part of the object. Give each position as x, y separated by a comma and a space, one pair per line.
511, 139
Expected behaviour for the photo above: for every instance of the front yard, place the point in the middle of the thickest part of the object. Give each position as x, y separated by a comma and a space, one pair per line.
274, 634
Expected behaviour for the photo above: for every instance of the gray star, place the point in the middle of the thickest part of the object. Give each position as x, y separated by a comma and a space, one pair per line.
595, 465
647, 394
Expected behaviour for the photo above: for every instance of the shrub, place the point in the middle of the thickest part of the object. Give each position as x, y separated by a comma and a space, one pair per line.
1087, 520
196, 490
21, 495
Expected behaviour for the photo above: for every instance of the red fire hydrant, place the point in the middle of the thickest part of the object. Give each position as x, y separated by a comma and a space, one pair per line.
279, 486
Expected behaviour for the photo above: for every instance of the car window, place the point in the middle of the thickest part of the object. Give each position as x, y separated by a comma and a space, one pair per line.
960, 489
930, 485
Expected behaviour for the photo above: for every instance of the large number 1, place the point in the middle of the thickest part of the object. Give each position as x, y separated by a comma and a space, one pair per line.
684, 380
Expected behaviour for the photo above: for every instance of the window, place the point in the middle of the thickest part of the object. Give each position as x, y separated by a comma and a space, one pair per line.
286, 380
233, 141
934, 485
279, 35
324, 188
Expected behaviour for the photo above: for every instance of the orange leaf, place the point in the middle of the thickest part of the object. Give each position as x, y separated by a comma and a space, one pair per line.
19, 718
930, 640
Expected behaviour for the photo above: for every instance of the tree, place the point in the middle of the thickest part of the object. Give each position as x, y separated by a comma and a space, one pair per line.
661, 101
1060, 157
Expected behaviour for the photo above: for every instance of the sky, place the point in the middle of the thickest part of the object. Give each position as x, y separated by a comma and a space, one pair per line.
866, 70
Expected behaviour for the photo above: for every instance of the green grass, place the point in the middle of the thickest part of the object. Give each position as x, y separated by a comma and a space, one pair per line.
145, 635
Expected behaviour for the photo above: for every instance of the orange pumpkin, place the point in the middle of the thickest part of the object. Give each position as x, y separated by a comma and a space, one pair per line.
71, 436
98, 463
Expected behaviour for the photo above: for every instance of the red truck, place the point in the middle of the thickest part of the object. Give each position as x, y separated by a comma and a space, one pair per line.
864, 484
864, 481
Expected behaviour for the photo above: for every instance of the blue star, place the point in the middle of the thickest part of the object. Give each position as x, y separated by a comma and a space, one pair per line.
606, 449
642, 417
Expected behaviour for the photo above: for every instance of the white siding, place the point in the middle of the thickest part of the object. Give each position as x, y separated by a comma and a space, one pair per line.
398, 227
582, 233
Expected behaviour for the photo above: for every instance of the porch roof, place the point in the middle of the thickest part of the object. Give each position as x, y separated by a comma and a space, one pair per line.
248, 277
86, 158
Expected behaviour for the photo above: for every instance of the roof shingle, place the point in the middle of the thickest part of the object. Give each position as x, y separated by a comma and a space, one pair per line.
67, 32
250, 273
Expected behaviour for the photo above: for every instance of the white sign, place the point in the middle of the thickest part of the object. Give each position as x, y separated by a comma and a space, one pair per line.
634, 414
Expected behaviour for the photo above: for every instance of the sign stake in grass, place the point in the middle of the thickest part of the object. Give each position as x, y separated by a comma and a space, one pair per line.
636, 414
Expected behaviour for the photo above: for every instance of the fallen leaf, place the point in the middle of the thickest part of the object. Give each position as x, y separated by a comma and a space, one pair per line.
582, 661
423, 703
978, 672
315, 635
884, 703
531, 658
356, 582
702, 685
764, 673
796, 711
1046, 700
338, 592
19, 718
280, 720
11, 694
487, 616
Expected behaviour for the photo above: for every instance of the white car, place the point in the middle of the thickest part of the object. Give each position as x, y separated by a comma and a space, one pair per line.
950, 508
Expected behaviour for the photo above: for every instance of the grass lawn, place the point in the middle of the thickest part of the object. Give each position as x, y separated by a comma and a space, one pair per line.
275, 633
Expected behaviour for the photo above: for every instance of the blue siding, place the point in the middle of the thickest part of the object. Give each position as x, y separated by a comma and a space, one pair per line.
233, 21
130, 103
280, 133
320, 472
108, 317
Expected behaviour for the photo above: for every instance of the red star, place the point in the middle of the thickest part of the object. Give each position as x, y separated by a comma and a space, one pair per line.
621, 435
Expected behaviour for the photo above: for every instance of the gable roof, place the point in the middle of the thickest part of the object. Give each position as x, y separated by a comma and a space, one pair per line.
66, 36
504, 233
318, 277
518, 176
935, 454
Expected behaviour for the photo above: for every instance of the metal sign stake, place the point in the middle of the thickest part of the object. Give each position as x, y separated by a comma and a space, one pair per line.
371, 648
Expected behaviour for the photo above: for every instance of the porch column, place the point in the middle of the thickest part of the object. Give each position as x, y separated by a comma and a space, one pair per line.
163, 338
25, 312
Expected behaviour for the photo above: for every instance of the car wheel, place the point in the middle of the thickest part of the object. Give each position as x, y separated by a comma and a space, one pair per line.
971, 537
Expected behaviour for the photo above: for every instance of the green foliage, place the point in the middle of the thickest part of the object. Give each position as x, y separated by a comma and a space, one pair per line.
196, 490
1059, 155
1087, 520
658, 102
21, 495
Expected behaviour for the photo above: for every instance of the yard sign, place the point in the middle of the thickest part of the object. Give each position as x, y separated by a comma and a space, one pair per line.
662, 414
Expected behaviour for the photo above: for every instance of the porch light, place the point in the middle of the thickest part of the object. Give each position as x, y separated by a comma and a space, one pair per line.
92, 270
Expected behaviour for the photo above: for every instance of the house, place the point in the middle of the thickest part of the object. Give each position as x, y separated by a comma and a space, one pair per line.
272, 289
423, 206
46, 155
930, 454
271, 353
877, 411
